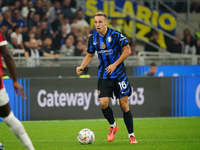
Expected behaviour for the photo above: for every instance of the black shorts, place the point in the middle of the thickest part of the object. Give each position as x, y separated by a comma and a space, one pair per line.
120, 86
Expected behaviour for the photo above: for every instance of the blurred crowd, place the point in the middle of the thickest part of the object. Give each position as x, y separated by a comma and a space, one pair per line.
188, 44
55, 28
44, 28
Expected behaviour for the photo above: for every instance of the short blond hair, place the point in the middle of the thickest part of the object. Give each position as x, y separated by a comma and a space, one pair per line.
101, 14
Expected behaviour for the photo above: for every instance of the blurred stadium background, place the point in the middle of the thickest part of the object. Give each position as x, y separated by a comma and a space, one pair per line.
163, 106
56, 92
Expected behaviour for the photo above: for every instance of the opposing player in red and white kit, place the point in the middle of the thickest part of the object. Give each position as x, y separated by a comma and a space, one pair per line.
5, 112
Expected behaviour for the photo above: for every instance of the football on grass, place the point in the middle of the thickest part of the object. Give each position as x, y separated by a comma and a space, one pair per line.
86, 136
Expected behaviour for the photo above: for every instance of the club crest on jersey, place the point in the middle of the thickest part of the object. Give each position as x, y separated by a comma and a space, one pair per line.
103, 45
109, 39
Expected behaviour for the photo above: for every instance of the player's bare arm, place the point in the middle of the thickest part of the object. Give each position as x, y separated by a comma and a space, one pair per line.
9, 62
126, 52
11, 67
87, 60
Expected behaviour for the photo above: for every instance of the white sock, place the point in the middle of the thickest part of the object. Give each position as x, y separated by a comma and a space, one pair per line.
18, 129
114, 125
131, 134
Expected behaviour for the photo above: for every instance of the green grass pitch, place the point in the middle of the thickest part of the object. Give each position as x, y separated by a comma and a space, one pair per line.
152, 134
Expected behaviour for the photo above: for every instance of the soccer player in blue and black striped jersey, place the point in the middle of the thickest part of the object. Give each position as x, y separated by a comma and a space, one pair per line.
112, 48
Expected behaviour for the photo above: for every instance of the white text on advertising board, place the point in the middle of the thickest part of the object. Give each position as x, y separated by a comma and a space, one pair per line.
82, 99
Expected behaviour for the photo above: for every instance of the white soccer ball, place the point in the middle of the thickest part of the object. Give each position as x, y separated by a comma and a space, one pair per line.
86, 136
1, 147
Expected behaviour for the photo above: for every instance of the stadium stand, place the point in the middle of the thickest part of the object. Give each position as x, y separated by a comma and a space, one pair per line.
55, 15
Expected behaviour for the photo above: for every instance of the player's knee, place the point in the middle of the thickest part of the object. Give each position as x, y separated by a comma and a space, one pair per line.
124, 107
104, 105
